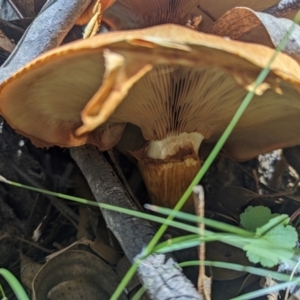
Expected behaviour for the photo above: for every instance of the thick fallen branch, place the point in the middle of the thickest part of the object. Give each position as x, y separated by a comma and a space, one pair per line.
159, 273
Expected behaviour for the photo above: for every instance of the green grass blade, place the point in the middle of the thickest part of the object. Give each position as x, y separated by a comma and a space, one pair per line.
2, 293
172, 244
193, 218
253, 270
14, 284
152, 218
268, 290
139, 293
231, 266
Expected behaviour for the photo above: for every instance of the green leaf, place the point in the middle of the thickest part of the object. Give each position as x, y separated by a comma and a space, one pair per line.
274, 242
272, 223
268, 255
285, 236
255, 217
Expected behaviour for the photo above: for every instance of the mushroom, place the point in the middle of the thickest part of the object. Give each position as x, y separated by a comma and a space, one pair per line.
179, 86
133, 14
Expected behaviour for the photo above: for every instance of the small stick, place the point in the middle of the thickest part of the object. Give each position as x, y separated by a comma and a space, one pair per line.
204, 282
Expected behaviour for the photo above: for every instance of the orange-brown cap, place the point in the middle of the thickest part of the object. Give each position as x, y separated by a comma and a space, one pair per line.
167, 80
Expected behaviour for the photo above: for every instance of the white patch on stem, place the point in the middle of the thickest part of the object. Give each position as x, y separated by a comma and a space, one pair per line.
172, 144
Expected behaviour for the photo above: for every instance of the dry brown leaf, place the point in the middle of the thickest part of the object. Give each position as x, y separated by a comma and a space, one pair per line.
217, 8
29, 269
255, 27
75, 275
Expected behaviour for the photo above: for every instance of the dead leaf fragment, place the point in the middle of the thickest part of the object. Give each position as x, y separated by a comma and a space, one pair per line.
244, 24
29, 269
74, 274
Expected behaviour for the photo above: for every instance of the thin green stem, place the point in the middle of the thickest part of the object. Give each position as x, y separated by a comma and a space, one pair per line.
139, 293
14, 284
268, 290
193, 218
230, 266
2, 293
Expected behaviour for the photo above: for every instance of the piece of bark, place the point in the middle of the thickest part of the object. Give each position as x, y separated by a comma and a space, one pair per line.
163, 279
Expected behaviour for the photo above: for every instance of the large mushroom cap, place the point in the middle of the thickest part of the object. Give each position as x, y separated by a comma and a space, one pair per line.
177, 85
167, 80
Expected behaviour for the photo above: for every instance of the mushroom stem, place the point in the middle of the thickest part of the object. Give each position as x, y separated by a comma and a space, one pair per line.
169, 166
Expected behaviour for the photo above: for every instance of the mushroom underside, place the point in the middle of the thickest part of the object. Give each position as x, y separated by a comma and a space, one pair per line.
169, 102
177, 93
178, 107
125, 14
132, 14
